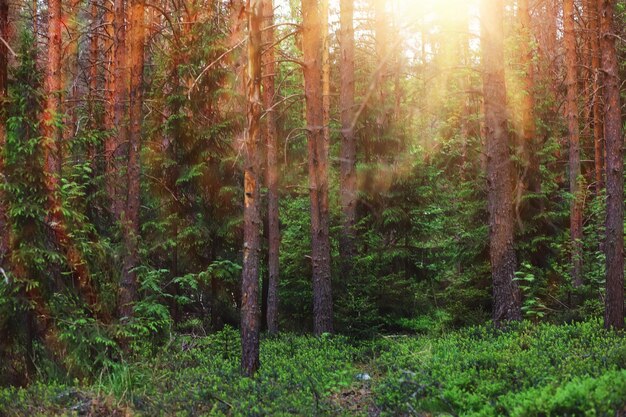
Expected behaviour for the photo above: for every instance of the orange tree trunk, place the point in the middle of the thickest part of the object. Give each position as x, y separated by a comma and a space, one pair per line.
348, 183
614, 244
318, 167
576, 214
250, 311
506, 294
271, 140
128, 284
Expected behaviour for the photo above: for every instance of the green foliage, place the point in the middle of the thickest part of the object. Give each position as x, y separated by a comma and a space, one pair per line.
193, 376
524, 370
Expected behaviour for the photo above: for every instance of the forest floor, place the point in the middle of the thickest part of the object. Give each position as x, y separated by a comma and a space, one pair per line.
525, 370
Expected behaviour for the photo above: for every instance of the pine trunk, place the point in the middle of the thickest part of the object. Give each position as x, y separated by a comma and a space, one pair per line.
271, 140
348, 182
312, 45
614, 245
4, 84
128, 284
576, 214
250, 309
506, 294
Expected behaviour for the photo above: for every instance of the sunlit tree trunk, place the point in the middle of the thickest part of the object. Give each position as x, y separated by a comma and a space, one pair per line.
312, 44
51, 140
506, 294
69, 73
93, 65
348, 181
576, 215
128, 284
614, 244
598, 133
533, 176
271, 141
119, 136
250, 309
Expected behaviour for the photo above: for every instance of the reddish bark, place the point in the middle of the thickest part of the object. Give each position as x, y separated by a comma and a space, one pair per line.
506, 294
598, 134
271, 140
318, 167
348, 181
576, 210
51, 140
614, 244
128, 284
250, 309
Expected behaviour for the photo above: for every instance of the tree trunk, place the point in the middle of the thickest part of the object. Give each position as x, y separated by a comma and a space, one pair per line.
51, 140
5, 228
128, 284
614, 245
318, 167
576, 212
506, 294
250, 312
598, 133
271, 139
119, 137
93, 67
348, 181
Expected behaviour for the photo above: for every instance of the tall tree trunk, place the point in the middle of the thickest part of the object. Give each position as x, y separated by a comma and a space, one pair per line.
250, 310
533, 177
4, 84
93, 66
506, 294
128, 284
382, 49
598, 130
119, 138
271, 140
614, 245
312, 45
576, 212
51, 141
348, 183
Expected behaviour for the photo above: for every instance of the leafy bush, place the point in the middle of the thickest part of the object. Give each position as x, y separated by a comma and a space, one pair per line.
525, 370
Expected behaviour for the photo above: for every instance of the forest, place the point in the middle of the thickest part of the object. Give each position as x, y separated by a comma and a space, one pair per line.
312, 208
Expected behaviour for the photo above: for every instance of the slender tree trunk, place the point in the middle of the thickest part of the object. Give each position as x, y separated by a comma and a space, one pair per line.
312, 45
93, 66
382, 49
598, 134
506, 294
576, 212
271, 139
51, 140
119, 138
614, 245
533, 177
109, 87
348, 183
5, 228
128, 284
250, 309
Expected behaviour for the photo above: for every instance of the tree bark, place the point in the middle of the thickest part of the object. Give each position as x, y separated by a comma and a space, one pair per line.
5, 228
506, 294
571, 81
250, 309
348, 181
614, 245
51, 141
119, 137
271, 140
312, 45
598, 134
128, 284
